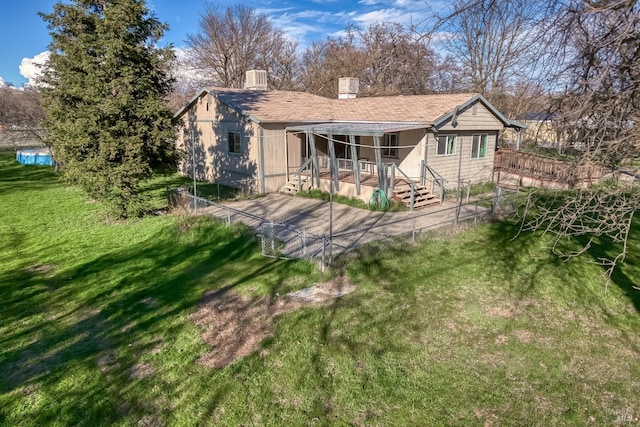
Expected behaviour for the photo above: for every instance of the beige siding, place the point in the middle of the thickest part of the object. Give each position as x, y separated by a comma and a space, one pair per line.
474, 170
411, 152
275, 156
295, 151
205, 141
475, 118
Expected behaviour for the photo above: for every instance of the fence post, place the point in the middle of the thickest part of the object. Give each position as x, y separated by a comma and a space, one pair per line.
273, 243
218, 185
468, 190
228, 216
304, 243
496, 200
413, 231
475, 214
323, 251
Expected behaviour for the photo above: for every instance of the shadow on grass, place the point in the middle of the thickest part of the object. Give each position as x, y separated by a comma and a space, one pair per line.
626, 275
357, 326
15, 177
526, 260
87, 327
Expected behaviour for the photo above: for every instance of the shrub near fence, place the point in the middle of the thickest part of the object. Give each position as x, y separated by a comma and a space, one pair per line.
286, 241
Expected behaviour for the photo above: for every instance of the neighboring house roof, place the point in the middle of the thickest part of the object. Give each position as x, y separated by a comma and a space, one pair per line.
300, 107
538, 116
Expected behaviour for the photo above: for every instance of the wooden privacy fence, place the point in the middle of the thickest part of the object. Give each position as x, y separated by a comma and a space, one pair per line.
545, 169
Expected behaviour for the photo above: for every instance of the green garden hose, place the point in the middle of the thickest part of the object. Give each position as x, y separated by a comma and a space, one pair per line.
379, 199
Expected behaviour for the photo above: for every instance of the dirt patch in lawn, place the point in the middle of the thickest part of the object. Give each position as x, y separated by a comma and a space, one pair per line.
141, 370
40, 268
505, 312
235, 325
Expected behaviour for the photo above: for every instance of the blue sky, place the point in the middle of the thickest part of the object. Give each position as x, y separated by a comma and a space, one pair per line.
25, 35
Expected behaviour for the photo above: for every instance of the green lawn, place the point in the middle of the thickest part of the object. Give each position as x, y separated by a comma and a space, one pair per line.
469, 329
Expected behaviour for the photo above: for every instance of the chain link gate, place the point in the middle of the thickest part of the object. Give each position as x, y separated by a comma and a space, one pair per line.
283, 241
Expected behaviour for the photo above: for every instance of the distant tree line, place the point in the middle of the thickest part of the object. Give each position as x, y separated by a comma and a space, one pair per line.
485, 46
20, 108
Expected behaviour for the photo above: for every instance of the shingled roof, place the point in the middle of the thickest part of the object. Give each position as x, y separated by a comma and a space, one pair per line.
299, 107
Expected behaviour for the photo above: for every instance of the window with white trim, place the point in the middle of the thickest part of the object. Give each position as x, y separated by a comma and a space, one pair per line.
235, 142
446, 145
479, 146
390, 145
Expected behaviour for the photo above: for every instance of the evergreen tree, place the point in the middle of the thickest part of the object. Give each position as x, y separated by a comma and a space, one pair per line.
104, 99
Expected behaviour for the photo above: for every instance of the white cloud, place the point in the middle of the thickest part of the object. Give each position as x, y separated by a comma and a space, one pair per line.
187, 77
2, 83
32, 68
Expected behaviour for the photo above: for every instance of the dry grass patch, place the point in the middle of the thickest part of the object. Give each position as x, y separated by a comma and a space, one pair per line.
524, 336
40, 268
235, 325
141, 370
504, 312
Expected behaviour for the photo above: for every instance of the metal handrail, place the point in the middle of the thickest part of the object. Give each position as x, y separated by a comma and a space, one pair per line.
437, 178
409, 181
298, 173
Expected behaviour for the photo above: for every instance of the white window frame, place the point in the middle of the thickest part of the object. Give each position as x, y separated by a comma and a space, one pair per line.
450, 143
477, 141
234, 138
390, 145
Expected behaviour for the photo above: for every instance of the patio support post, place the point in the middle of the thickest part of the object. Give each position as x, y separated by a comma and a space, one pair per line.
378, 154
286, 153
392, 184
333, 162
261, 150
356, 162
314, 159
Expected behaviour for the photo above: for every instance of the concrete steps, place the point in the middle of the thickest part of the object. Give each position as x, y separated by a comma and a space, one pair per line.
291, 187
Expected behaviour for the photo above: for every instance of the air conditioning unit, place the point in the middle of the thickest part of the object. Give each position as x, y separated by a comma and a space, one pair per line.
348, 87
256, 80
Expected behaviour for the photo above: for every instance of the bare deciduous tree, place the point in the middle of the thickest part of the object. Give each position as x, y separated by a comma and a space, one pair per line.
323, 63
238, 39
20, 117
397, 62
20, 108
387, 58
599, 43
498, 44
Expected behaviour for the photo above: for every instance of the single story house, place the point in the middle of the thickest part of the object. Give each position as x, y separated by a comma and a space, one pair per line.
407, 146
543, 129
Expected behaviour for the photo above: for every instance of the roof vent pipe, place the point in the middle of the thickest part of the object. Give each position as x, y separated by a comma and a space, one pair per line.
348, 87
256, 80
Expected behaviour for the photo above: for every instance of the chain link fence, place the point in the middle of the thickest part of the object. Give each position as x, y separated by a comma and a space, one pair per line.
285, 241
